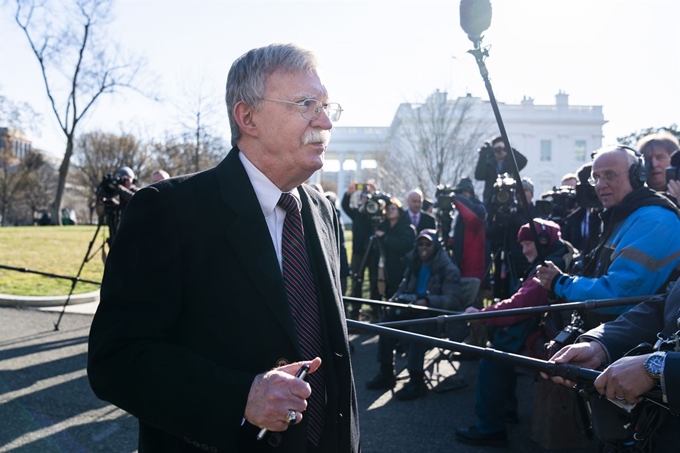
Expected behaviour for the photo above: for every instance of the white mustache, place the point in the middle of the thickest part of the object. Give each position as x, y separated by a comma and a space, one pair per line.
317, 136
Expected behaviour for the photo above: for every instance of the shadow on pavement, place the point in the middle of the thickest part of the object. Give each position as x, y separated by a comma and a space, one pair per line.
47, 406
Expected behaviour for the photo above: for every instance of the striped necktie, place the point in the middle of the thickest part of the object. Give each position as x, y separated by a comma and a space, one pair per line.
300, 288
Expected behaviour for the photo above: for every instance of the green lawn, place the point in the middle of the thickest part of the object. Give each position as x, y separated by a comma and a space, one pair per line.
56, 250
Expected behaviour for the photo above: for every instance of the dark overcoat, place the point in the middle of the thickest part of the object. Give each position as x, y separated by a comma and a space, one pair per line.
193, 307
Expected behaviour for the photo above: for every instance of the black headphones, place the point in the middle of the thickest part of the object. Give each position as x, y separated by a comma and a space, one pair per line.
637, 174
543, 237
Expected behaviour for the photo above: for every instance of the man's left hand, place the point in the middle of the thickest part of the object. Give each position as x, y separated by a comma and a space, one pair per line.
274, 393
625, 379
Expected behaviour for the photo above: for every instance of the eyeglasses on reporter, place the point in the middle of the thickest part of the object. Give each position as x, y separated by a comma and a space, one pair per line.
310, 109
607, 176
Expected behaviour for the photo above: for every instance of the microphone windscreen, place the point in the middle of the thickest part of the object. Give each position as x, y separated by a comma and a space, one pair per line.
475, 17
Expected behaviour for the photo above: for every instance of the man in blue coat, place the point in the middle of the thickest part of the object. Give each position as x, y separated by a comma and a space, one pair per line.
639, 248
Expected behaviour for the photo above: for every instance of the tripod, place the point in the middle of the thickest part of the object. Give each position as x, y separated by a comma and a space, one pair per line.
505, 277
381, 273
111, 219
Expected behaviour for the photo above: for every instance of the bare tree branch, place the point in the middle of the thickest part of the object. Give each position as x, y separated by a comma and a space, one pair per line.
432, 143
77, 64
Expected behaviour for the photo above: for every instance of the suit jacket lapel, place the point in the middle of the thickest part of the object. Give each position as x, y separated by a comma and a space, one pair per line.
249, 236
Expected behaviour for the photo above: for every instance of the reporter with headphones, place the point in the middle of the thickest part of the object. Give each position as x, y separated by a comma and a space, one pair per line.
639, 248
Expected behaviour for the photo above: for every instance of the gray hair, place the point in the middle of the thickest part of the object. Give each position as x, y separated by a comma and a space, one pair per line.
662, 139
630, 155
247, 77
417, 192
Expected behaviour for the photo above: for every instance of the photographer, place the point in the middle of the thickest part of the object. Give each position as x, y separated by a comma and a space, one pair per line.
657, 149
362, 230
431, 279
112, 197
493, 161
639, 249
126, 188
469, 238
504, 219
496, 399
396, 235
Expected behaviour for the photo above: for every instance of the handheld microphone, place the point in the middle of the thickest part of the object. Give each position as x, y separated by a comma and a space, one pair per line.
475, 18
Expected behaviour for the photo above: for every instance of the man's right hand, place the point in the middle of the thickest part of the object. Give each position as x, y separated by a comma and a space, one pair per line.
587, 354
274, 393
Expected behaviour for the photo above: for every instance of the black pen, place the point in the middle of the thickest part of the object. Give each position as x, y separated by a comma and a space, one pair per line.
302, 374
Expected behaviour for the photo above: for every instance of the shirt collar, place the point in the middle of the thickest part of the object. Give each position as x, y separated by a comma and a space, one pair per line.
266, 191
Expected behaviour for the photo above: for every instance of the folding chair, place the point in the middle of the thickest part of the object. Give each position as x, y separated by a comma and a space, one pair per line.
455, 331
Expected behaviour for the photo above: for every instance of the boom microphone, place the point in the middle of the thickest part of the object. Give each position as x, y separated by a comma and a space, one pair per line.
475, 18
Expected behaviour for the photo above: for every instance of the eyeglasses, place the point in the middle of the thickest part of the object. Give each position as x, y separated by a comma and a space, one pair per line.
310, 109
498, 149
608, 176
424, 244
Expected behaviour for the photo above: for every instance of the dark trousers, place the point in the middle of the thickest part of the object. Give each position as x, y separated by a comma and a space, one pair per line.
416, 350
496, 384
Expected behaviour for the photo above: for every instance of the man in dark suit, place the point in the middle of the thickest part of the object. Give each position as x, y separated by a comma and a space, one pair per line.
420, 219
199, 333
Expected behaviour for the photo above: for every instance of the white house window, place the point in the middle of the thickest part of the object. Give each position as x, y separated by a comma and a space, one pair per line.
580, 150
546, 150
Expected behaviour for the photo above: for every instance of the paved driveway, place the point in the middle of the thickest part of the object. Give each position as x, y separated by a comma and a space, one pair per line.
46, 405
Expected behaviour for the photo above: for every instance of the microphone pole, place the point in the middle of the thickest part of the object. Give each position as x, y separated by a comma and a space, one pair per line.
571, 372
475, 18
417, 308
585, 306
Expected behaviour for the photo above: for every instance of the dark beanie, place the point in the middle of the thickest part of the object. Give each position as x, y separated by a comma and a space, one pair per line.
465, 184
550, 228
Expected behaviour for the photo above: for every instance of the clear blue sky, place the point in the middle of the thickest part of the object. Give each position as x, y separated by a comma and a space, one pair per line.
621, 54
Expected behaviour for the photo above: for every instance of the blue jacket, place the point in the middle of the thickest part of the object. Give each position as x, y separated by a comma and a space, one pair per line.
645, 249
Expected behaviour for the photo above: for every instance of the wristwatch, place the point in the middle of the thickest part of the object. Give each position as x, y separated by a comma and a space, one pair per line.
654, 365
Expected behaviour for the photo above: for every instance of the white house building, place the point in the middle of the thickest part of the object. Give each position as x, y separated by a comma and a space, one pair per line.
556, 139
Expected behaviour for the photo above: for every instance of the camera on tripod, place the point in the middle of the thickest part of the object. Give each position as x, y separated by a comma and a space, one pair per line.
504, 194
557, 203
107, 193
375, 207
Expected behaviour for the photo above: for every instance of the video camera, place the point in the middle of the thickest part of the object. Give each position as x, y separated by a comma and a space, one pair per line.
445, 208
444, 196
566, 336
504, 194
557, 203
375, 207
107, 194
